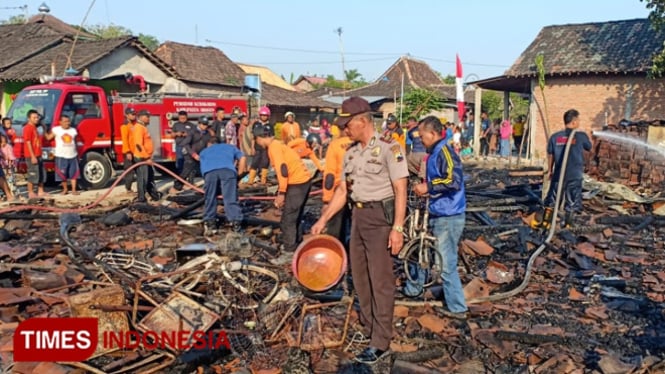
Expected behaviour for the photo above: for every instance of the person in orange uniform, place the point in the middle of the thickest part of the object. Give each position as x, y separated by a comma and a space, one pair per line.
394, 131
332, 175
308, 148
125, 132
141, 147
294, 185
290, 128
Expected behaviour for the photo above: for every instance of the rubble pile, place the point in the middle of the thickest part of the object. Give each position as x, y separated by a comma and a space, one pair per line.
629, 163
593, 305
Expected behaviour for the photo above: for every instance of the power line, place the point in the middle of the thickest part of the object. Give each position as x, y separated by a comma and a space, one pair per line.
301, 50
465, 63
322, 62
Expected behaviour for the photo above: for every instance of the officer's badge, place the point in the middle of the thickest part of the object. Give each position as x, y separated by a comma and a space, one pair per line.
376, 151
397, 153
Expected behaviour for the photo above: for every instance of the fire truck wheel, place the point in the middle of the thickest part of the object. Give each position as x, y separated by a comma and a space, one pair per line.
96, 170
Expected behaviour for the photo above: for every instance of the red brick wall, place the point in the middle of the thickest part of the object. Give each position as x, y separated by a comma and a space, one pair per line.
621, 162
592, 96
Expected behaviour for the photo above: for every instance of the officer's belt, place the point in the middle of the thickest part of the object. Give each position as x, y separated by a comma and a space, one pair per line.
366, 204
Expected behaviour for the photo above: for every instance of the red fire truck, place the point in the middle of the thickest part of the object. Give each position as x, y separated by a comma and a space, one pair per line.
98, 117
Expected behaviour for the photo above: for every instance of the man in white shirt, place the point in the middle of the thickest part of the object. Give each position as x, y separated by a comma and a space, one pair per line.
66, 155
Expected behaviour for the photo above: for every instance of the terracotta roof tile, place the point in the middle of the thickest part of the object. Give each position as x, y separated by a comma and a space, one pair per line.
201, 64
604, 47
273, 95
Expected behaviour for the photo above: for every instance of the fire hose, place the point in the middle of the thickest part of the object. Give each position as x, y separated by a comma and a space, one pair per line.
534, 255
115, 184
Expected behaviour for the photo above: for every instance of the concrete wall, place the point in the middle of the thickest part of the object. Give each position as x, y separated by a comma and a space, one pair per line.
631, 97
123, 60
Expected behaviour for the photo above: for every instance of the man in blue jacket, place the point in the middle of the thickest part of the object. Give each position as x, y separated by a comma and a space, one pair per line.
447, 203
218, 167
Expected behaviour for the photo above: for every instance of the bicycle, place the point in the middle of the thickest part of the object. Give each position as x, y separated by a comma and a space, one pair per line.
422, 262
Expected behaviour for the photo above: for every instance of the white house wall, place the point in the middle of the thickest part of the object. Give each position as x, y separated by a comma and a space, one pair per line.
124, 60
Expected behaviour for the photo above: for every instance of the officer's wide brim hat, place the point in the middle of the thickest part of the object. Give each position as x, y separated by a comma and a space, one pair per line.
351, 107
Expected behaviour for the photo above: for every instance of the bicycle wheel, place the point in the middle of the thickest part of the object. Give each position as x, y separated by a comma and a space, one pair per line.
246, 286
422, 264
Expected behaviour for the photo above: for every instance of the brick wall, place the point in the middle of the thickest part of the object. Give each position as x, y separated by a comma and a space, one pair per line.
593, 96
621, 162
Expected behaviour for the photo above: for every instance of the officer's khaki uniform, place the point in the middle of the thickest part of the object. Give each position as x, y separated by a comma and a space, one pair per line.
369, 173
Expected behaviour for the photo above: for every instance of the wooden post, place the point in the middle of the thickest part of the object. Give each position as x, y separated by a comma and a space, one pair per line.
476, 119
506, 105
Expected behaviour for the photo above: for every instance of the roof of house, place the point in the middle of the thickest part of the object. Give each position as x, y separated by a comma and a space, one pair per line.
273, 95
267, 76
625, 46
201, 64
311, 79
59, 26
416, 74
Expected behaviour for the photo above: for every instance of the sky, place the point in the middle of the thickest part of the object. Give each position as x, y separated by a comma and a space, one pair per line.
294, 37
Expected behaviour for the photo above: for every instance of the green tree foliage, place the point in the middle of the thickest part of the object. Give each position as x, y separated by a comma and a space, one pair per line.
657, 18
419, 102
116, 31
353, 80
493, 104
14, 20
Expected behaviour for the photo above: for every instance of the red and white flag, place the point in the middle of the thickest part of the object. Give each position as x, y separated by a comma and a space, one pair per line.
460, 90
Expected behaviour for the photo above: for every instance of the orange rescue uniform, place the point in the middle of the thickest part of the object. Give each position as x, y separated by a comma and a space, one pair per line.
332, 171
140, 142
288, 165
290, 131
399, 135
303, 150
125, 131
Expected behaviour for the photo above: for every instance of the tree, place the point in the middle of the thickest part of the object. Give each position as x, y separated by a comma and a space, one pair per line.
492, 103
14, 20
352, 75
447, 79
116, 31
419, 102
657, 18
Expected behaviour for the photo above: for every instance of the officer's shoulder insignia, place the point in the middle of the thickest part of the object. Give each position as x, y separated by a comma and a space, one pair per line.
397, 153
376, 151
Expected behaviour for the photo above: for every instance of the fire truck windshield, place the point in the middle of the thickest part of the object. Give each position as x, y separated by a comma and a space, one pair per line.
43, 101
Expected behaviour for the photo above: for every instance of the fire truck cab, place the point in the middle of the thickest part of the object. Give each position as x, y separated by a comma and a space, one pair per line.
98, 117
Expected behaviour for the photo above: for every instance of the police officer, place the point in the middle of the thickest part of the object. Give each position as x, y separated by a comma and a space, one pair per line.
180, 130
375, 173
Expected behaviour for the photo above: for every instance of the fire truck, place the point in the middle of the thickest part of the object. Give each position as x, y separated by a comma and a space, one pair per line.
97, 116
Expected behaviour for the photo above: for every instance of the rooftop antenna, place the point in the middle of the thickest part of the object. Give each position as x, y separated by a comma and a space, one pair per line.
68, 65
44, 9
338, 31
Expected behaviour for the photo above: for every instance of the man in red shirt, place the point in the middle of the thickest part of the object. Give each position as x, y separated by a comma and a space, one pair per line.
32, 149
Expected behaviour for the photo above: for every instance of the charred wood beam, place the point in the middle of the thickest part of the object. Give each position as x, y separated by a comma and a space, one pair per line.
184, 212
526, 338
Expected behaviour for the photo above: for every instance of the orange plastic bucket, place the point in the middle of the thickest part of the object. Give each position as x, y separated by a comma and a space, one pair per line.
319, 262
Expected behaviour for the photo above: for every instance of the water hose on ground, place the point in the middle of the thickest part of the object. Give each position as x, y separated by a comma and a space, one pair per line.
118, 180
534, 255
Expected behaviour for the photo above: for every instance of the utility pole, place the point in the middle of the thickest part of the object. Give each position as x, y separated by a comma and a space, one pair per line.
338, 31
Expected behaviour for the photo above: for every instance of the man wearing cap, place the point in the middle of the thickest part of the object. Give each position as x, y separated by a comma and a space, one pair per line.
218, 167
375, 177
125, 132
394, 131
308, 148
294, 185
181, 130
290, 128
332, 175
195, 141
141, 146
